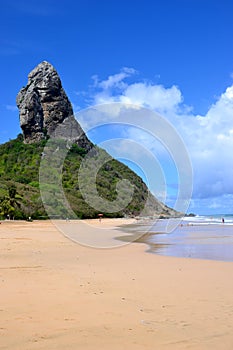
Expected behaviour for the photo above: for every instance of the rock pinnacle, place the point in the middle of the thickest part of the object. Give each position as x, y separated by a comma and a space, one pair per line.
45, 109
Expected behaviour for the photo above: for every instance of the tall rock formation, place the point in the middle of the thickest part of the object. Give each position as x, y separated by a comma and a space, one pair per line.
46, 110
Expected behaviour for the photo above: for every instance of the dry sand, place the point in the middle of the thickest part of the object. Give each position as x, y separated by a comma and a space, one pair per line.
57, 294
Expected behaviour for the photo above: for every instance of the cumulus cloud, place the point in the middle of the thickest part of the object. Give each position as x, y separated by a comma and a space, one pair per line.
115, 80
152, 96
208, 138
210, 142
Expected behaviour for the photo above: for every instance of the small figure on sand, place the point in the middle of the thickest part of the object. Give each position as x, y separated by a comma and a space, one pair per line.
223, 220
100, 216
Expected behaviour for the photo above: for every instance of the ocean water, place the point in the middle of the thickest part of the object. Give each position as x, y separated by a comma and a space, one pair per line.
201, 237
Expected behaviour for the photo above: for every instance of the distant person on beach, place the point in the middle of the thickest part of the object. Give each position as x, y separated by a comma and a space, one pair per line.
223, 220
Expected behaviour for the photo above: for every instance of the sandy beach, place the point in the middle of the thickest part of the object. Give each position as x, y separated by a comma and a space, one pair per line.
56, 294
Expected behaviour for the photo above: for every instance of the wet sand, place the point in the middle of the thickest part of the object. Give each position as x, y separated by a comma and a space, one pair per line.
57, 294
196, 240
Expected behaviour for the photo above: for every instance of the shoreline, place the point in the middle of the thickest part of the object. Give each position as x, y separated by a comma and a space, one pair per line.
57, 294
126, 231
204, 241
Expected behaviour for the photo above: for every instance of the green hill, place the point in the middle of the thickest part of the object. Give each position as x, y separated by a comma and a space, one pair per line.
19, 169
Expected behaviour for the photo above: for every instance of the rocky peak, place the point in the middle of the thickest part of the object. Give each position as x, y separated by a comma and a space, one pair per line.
45, 108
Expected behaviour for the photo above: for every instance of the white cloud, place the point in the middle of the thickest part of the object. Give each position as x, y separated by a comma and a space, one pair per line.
114, 81
208, 138
152, 96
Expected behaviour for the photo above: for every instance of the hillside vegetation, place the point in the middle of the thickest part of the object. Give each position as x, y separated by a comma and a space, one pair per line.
20, 190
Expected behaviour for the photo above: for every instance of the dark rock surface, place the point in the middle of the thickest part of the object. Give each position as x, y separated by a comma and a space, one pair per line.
46, 110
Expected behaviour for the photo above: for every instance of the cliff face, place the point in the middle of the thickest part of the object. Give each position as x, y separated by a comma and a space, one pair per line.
46, 110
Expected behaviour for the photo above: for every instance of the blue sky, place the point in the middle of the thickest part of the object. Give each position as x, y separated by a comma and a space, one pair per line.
174, 57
